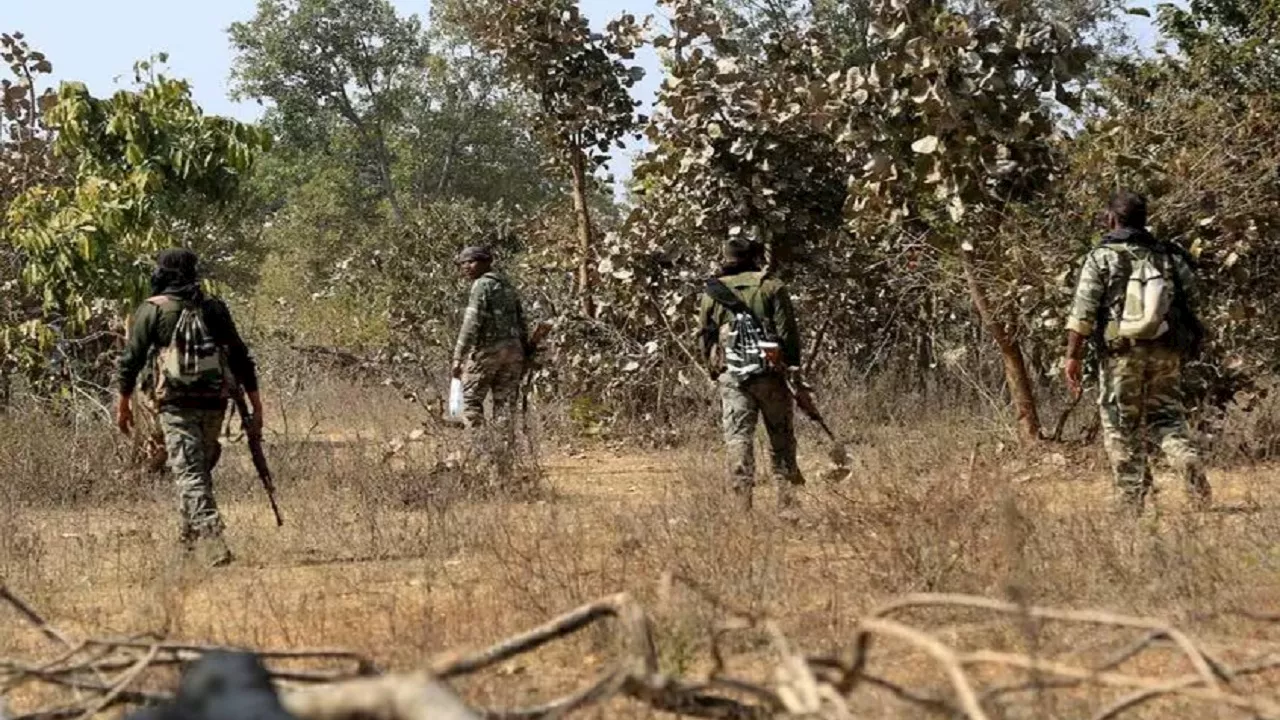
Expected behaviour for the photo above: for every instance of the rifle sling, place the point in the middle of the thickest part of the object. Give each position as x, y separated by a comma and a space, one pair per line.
723, 294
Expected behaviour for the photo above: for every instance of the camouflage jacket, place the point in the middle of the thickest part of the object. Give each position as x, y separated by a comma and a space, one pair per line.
494, 317
770, 301
1100, 294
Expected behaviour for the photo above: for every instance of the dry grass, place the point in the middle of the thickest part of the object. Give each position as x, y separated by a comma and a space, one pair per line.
371, 561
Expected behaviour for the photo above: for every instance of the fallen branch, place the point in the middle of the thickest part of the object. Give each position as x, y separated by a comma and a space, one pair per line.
801, 686
635, 632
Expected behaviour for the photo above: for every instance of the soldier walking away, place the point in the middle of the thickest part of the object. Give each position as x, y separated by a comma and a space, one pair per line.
491, 352
188, 352
750, 341
1136, 301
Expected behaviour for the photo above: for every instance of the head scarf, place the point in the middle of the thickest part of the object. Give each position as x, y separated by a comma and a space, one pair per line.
475, 253
177, 273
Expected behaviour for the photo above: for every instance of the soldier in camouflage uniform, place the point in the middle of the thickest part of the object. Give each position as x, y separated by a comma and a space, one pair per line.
1140, 379
764, 394
491, 350
190, 420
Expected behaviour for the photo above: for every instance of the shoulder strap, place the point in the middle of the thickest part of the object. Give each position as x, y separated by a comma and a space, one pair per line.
723, 294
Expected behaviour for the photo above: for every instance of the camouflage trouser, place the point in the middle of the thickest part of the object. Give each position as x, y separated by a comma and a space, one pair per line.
1141, 392
741, 406
496, 372
191, 438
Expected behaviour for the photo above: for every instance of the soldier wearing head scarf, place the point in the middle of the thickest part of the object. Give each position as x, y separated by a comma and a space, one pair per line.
490, 354
1136, 301
191, 352
750, 362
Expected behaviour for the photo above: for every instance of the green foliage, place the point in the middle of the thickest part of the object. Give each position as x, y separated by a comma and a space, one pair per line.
581, 80
739, 150
26, 160
146, 169
466, 137
385, 152
951, 114
1228, 43
321, 61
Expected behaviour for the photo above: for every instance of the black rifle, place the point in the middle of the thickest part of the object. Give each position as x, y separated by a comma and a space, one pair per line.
254, 436
800, 392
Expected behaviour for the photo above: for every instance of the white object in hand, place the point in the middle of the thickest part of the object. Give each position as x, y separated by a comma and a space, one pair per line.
455, 399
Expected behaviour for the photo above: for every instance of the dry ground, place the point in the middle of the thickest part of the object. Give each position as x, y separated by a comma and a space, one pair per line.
369, 561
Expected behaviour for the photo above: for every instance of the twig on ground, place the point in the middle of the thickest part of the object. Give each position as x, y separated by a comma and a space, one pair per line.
1092, 617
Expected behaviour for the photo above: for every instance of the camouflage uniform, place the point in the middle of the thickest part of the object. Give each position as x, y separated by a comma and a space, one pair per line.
1140, 381
491, 351
190, 424
766, 395
191, 440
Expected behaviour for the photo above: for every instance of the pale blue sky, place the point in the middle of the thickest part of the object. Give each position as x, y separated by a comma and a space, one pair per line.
96, 41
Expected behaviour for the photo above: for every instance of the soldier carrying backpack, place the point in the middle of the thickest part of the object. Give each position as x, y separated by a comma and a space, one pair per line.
749, 340
1136, 301
187, 352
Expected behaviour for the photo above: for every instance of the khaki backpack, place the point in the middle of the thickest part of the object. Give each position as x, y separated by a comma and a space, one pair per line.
1150, 292
193, 364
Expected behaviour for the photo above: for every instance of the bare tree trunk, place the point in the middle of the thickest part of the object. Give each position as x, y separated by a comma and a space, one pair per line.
586, 246
1015, 365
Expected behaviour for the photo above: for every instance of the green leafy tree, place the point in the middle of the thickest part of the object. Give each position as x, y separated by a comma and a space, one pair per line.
26, 160
317, 60
1230, 44
739, 144
467, 137
146, 169
448, 138
579, 80
948, 129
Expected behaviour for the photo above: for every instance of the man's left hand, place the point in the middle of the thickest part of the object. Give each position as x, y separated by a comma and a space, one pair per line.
256, 419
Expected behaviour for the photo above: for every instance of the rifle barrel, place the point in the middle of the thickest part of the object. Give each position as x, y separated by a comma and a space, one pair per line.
259, 457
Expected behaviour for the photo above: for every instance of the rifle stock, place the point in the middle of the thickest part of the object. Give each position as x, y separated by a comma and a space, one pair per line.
254, 437
804, 401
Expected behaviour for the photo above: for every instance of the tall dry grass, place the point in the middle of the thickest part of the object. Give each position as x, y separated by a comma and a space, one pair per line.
382, 554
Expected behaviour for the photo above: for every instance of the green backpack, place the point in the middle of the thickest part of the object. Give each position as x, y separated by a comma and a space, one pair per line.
193, 365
